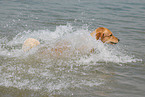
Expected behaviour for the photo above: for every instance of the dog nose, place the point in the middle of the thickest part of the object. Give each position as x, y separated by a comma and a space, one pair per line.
118, 40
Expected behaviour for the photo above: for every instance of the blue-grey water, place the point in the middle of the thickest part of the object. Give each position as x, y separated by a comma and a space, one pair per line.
111, 71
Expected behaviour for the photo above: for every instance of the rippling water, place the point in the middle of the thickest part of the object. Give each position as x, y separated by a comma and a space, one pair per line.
112, 71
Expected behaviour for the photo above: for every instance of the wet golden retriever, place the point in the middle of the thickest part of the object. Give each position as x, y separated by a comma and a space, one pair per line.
105, 35
101, 33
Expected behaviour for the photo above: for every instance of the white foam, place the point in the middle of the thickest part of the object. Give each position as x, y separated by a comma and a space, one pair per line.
79, 38
54, 74
105, 53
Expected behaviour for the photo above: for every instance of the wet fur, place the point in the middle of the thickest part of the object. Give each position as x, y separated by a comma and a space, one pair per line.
101, 33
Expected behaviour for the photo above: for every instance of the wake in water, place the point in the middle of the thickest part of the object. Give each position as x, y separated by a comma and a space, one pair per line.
77, 38
30, 70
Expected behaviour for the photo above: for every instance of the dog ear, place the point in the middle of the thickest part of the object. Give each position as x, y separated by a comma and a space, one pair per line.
99, 36
99, 32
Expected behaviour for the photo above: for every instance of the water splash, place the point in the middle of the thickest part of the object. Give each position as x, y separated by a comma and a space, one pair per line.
31, 71
79, 38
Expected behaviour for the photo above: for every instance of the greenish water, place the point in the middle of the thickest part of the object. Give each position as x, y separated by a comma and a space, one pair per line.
112, 71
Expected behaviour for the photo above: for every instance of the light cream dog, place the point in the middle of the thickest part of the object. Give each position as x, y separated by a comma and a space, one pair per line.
29, 44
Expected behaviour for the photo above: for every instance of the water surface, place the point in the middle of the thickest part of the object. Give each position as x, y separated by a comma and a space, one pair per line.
112, 71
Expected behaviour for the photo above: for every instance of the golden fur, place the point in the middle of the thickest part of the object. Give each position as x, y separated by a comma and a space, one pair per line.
104, 34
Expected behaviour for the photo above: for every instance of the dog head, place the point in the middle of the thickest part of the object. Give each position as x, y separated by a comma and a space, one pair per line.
105, 35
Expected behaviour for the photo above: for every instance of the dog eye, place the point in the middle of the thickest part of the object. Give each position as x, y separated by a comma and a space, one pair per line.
111, 35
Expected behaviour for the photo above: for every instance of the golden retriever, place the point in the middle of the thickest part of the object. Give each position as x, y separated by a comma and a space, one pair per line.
101, 33
105, 35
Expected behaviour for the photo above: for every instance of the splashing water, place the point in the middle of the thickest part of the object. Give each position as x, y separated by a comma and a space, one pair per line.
31, 71
77, 37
